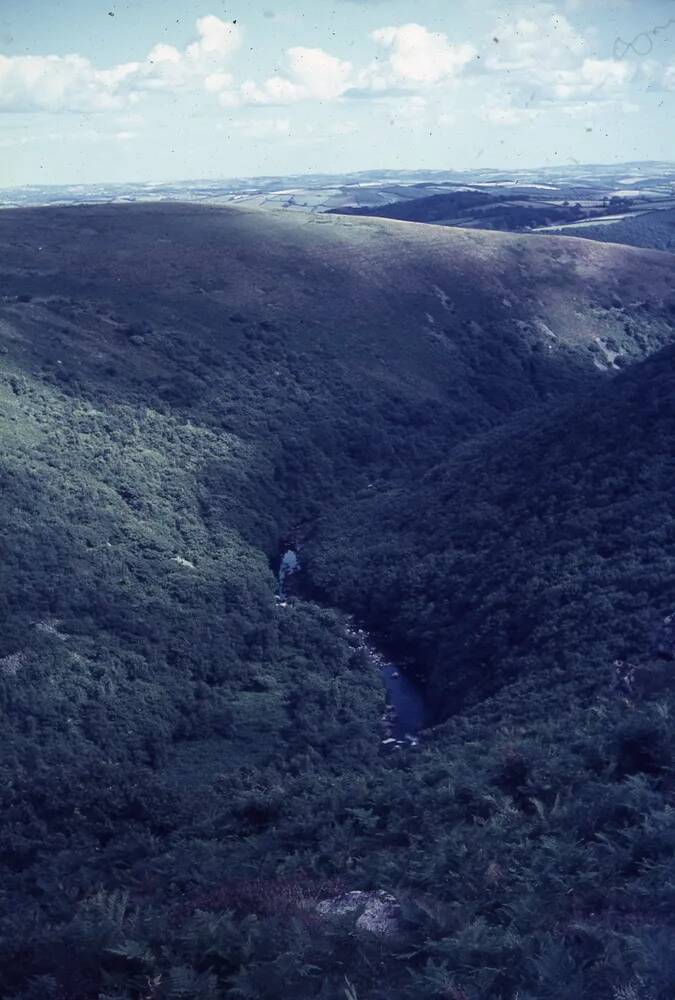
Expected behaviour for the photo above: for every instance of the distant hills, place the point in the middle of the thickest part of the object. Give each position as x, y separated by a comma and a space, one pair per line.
627, 203
619, 218
638, 229
467, 435
480, 210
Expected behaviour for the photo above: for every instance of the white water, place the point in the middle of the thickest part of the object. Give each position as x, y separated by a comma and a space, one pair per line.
289, 564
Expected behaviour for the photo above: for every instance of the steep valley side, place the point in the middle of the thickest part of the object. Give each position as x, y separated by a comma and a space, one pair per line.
473, 432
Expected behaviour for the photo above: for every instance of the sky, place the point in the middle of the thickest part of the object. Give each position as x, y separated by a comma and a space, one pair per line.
96, 91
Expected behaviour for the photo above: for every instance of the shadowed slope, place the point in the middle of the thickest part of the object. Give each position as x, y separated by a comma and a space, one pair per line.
213, 375
538, 548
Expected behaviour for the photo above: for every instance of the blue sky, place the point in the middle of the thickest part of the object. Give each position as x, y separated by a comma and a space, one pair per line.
156, 90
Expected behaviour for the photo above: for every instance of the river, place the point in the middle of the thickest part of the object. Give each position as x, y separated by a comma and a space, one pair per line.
406, 707
407, 711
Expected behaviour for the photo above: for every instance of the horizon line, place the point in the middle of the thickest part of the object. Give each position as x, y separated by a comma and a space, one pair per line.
346, 173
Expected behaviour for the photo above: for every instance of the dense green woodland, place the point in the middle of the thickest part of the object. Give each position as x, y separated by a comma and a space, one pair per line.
470, 435
475, 208
532, 548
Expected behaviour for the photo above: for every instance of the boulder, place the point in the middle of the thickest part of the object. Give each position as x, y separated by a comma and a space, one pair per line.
664, 638
642, 681
375, 912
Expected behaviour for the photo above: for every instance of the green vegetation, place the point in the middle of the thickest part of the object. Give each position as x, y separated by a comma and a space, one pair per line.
521, 212
655, 230
510, 213
187, 767
532, 549
430, 208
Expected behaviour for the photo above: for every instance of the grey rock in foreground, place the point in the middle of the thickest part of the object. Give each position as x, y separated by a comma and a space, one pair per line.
664, 639
376, 912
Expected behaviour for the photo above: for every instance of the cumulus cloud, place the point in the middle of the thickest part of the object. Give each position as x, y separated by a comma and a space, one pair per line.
217, 40
592, 77
201, 63
318, 73
53, 83
199, 66
74, 83
415, 57
535, 44
549, 64
668, 79
312, 74
546, 60
658, 76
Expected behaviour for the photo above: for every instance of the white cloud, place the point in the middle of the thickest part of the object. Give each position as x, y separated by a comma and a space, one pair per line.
200, 65
74, 83
583, 110
550, 67
658, 76
592, 77
275, 90
669, 78
539, 59
217, 41
318, 73
52, 83
312, 75
537, 44
218, 82
416, 57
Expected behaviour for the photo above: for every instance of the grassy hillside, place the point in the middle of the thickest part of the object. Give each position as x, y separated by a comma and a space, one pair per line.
186, 765
655, 230
476, 209
517, 212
